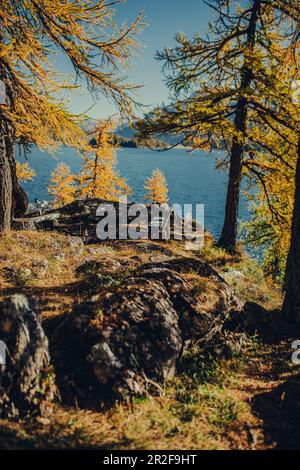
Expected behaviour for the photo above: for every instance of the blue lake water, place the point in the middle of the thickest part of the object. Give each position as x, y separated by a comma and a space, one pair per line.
191, 178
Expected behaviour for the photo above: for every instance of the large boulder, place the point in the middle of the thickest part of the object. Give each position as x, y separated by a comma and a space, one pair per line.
127, 339
26, 378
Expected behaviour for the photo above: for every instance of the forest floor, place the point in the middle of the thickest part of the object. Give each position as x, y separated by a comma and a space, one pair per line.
248, 401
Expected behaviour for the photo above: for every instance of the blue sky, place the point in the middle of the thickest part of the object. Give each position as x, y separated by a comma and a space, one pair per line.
164, 19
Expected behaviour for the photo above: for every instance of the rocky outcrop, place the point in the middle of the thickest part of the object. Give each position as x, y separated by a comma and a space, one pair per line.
80, 219
26, 382
127, 339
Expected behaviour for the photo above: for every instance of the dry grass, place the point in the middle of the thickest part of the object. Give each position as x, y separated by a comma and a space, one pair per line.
245, 276
207, 411
44, 265
203, 408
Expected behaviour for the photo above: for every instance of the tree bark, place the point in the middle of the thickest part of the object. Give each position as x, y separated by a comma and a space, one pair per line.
229, 232
291, 305
19, 197
5, 179
13, 198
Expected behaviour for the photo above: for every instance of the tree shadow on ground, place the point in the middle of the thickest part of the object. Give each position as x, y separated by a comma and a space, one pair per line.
280, 411
279, 408
52, 437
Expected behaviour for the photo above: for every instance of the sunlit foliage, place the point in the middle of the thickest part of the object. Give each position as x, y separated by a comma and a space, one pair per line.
33, 34
221, 85
24, 172
275, 138
62, 186
205, 76
98, 176
157, 189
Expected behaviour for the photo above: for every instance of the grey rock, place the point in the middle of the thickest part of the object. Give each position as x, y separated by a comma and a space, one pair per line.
40, 267
76, 244
26, 384
23, 224
79, 219
129, 338
19, 276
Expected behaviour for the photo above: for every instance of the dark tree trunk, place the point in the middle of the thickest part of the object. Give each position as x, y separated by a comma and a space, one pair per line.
19, 197
230, 226
229, 232
291, 305
5, 179
13, 199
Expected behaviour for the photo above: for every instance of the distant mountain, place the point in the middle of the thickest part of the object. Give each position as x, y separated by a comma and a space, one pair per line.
127, 132
125, 136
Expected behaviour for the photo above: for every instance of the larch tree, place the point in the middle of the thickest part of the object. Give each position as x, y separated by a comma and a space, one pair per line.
286, 111
24, 172
62, 186
274, 142
156, 187
272, 201
99, 177
213, 81
276, 164
31, 34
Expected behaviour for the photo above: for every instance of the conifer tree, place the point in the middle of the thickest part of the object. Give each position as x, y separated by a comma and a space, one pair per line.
276, 163
157, 189
99, 177
31, 33
24, 172
272, 203
62, 186
273, 142
215, 82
